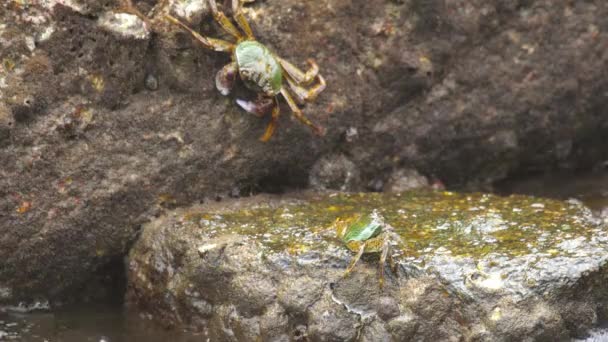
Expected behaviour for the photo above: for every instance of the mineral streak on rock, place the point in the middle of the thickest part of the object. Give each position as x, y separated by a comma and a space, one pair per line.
469, 265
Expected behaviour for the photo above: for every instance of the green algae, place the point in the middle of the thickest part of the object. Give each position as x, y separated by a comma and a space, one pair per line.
462, 224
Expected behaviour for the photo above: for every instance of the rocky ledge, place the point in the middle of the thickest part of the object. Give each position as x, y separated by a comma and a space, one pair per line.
471, 267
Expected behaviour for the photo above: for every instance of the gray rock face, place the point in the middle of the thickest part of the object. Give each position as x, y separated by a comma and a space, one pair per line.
334, 172
89, 152
485, 269
405, 179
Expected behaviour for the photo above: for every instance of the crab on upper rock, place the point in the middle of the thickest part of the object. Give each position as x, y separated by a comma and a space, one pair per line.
260, 69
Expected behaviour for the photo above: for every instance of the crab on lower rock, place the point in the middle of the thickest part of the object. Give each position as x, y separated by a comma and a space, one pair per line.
260, 69
366, 233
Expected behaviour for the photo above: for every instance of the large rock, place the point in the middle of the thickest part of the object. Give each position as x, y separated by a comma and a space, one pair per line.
89, 151
469, 267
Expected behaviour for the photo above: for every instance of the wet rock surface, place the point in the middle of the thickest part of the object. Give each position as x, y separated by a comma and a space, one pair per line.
104, 124
468, 266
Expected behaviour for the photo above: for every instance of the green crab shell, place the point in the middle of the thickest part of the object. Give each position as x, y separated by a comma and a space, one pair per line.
363, 228
259, 68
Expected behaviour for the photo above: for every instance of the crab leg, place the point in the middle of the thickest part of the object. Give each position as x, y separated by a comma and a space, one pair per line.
299, 76
239, 17
259, 107
355, 259
385, 248
225, 77
210, 43
276, 111
298, 113
305, 95
391, 262
223, 20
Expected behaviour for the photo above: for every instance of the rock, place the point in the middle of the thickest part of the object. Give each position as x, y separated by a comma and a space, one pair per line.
387, 308
6, 123
405, 179
330, 322
468, 267
404, 327
297, 295
334, 172
461, 91
538, 322
375, 331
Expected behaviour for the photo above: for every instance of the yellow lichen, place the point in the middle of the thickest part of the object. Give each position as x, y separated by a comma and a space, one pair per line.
97, 82
24, 207
463, 224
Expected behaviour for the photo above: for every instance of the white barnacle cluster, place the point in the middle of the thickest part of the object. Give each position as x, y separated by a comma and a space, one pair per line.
486, 282
190, 10
124, 24
74, 5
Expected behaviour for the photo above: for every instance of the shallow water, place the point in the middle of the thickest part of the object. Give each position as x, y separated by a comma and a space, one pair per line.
596, 335
94, 323
86, 324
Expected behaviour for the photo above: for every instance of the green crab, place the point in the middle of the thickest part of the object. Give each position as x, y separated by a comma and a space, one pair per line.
260, 69
366, 233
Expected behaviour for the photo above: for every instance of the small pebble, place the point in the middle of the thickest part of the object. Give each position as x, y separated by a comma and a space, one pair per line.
151, 82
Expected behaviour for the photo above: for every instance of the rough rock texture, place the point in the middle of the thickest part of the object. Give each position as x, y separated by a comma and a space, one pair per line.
334, 172
405, 179
461, 91
469, 267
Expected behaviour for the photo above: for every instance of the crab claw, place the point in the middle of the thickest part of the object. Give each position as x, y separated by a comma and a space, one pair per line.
225, 77
258, 107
